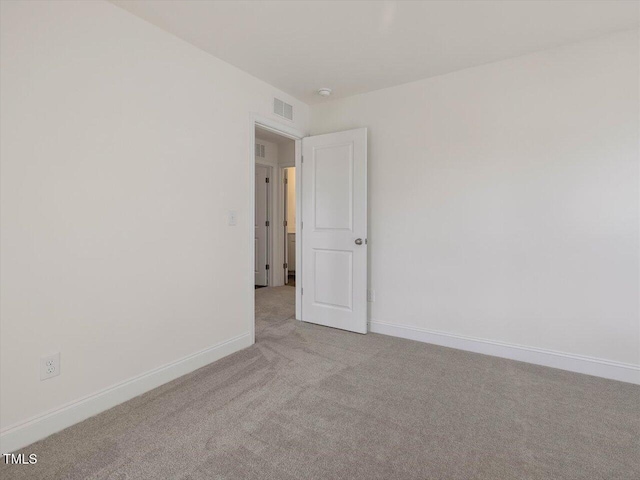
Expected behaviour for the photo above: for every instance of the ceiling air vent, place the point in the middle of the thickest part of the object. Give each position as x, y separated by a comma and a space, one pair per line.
282, 109
259, 150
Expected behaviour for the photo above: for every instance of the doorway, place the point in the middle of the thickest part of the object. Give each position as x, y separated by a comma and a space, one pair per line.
275, 154
331, 260
275, 207
289, 226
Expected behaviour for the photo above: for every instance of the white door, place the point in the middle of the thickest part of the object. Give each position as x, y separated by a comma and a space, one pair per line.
334, 230
262, 226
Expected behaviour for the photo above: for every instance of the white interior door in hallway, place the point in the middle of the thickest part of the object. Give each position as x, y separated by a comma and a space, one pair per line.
262, 225
334, 230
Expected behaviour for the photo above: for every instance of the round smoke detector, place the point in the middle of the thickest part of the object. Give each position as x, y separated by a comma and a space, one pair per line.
325, 92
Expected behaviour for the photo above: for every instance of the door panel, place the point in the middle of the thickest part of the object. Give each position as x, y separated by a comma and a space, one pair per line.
333, 280
261, 229
334, 216
333, 187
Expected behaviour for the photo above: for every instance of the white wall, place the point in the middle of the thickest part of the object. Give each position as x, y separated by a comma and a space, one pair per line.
118, 141
271, 153
287, 154
504, 199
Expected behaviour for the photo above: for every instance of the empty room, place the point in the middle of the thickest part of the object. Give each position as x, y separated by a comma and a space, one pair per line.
320, 239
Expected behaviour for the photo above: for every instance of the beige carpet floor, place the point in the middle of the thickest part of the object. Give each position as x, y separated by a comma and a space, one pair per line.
308, 402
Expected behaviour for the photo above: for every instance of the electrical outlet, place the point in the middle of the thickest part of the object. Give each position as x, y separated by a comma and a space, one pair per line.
232, 218
371, 296
50, 366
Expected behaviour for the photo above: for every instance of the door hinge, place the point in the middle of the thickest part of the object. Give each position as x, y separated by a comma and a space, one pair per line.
301, 224
284, 224
302, 291
302, 159
267, 266
286, 180
266, 179
284, 265
266, 224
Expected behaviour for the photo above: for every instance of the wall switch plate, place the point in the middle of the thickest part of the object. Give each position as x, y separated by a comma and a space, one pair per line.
232, 219
371, 295
50, 366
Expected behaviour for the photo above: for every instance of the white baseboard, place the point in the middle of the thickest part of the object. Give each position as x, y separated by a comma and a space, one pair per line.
25, 433
623, 372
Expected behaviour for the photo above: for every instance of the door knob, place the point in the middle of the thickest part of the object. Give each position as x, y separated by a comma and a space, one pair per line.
358, 241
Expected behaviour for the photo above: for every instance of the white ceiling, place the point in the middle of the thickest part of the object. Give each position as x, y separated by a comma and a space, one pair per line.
269, 136
359, 46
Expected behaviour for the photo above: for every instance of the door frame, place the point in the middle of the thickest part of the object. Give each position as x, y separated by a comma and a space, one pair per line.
283, 238
287, 131
283, 228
